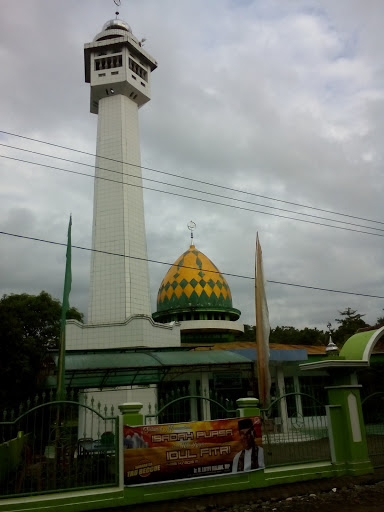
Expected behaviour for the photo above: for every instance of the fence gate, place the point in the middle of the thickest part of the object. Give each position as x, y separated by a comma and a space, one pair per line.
373, 412
49, 446
294, 435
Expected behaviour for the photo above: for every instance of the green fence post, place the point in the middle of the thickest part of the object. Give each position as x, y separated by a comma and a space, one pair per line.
348, 439
131, 414
247, 407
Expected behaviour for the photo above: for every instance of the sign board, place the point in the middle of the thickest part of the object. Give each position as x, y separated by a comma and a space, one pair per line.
156, 453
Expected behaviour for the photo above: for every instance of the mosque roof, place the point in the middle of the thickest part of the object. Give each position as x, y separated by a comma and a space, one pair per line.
194, 282
312, 350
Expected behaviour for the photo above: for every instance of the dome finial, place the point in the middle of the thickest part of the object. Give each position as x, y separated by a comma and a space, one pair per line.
191, 226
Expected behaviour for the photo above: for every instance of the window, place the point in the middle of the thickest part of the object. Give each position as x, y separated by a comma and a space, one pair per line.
291, 399
313, 386
109, 62
139, 70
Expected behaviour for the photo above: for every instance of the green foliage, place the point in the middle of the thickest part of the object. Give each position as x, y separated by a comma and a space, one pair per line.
249, 333
29, 326
291, 336
380, 320
288, 335
350, 322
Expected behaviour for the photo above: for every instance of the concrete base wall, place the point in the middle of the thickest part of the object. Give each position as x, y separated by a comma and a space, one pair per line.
136, 331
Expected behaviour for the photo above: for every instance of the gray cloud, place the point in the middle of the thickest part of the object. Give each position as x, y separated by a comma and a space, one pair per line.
281, 100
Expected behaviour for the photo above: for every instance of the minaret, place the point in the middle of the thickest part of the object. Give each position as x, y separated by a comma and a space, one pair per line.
119, 316
118, 70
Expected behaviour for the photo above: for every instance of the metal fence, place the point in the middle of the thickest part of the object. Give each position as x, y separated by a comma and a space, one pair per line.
49, 445
179, 406
373, 412
296, 438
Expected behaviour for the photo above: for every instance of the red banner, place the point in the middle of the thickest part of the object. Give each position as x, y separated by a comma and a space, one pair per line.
156, 453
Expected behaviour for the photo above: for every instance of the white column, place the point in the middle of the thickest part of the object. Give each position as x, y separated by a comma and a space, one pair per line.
193, 401
206, 404
296, 387
119, 285
283, 401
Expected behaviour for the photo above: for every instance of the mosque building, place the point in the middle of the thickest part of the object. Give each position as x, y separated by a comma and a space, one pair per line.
189, 343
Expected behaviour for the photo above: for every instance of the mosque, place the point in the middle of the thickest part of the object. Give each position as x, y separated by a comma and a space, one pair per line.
188, 346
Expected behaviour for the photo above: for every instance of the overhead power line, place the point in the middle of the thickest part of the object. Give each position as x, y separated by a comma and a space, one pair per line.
185, 266
193, 179
203, 199
174, 185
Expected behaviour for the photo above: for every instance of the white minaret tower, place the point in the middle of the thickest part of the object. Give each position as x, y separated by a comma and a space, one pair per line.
119, 317
119, 70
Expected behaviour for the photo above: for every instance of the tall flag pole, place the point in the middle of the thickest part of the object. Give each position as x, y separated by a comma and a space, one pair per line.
64, 309
262, 330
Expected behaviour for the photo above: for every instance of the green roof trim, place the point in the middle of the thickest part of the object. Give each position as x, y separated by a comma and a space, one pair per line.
186, 308
359, 346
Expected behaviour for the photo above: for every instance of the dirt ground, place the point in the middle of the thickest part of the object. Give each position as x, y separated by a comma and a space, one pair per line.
359, 498
359, 494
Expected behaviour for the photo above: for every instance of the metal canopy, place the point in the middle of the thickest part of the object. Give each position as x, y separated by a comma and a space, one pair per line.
106, 369
143, 366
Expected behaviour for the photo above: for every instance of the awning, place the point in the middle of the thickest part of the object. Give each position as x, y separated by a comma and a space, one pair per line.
102, 369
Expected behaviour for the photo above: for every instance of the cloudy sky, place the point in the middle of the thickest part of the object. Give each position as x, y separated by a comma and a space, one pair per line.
276, 98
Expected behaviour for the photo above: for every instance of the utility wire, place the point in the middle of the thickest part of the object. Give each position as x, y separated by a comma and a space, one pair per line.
185, 266
202, 199
192, 179
179, 186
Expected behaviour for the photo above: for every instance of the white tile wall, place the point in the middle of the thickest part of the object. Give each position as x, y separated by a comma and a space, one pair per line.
119, 286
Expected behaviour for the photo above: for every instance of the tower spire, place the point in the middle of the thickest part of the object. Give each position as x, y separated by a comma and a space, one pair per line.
191, 226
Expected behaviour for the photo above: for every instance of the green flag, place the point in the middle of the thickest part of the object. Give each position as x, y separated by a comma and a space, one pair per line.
64, 309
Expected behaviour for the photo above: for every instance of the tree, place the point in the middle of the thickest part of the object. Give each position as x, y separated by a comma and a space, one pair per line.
380, 320
287, 335
29, 327
350, 322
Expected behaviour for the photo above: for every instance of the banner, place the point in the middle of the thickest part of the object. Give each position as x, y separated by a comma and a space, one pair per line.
156, 453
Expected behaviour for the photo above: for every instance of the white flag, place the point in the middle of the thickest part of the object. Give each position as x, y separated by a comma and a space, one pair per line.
262, 330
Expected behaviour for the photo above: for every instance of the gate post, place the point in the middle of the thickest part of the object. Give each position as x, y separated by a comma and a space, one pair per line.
247, 407
347, 430
131, 414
